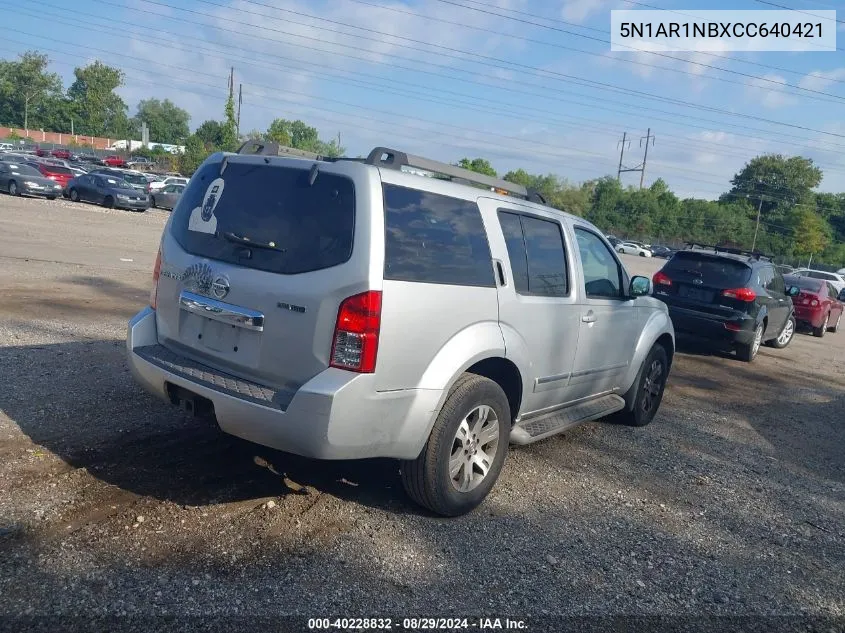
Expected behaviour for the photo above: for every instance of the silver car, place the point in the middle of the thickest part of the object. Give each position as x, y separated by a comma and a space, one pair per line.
166, 197
347, 309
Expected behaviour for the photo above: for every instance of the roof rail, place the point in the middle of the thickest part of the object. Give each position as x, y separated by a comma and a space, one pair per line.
726, 249
271, 148
394, 159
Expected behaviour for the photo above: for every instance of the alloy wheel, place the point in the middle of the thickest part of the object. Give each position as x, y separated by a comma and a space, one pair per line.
474, 448
786, 335
758, 338
651, 386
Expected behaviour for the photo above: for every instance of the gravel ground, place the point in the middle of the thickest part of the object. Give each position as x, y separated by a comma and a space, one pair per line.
111, 504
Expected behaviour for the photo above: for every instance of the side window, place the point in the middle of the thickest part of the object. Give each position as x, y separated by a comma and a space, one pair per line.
437, 239
602, 273
547, 274
776, 283
515, 242
832, 291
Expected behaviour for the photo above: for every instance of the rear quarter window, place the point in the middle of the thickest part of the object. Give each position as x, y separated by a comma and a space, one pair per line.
270, 213
430, 238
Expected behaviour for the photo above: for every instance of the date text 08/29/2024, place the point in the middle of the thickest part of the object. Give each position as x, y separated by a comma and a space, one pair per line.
416, 624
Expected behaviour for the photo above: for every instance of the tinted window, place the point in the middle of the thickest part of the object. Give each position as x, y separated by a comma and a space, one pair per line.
776, 283
721, 272
512, 230
24, 170
764, 277
434, 239
546, 257
602, 273
819, 275
805, 283
304, 227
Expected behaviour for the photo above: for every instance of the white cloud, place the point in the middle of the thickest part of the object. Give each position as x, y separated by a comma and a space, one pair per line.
580, 10
821, 79
760, 90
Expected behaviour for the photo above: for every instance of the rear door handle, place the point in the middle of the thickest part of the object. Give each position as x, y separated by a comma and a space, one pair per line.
500, 272
589, 317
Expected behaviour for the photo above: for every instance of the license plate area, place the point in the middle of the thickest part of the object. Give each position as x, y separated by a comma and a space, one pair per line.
696, 294
235, 344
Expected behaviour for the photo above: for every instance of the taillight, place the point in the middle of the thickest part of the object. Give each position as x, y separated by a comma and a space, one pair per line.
356, 332
156, 275
814, 303
661, 279
743, 294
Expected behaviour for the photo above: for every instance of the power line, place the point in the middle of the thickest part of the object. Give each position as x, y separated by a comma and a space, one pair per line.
599, 85
781, 6
543, 89
593, 53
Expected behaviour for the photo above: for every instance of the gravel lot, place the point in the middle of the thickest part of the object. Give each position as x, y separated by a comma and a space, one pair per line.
731, 503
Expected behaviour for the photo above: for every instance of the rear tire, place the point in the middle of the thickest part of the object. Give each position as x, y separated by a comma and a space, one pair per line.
13, 188
153, 202
748, 352
820, 331
642, 254
448, 477
835, 327
74, 195
108, 203
649, 386
786, 335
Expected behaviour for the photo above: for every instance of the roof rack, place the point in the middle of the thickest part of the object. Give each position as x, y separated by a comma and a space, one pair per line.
271, 148
394, 159
725, 249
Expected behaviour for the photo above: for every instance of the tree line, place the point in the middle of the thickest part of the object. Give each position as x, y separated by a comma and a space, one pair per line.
796, 222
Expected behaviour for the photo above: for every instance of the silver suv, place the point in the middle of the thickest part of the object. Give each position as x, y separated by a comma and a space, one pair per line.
396, 307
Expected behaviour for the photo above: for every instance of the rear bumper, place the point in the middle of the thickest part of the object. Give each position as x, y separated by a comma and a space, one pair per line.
811, 316
335, 415
709, 327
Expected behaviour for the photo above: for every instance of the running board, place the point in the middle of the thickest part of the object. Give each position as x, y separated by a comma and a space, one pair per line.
536, 429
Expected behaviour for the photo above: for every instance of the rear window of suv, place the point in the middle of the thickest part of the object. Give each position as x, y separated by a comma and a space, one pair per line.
267, 217
721, 272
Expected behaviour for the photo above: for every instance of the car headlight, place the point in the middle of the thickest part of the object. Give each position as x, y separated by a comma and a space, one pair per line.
120, 196
32, 184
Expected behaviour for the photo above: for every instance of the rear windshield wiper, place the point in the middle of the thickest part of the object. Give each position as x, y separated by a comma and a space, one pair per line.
238, 239
691, 271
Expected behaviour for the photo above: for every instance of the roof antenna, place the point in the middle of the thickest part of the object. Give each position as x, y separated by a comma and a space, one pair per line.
312, 175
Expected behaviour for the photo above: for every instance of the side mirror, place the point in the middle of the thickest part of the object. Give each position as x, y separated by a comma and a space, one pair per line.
793, 291
640, 286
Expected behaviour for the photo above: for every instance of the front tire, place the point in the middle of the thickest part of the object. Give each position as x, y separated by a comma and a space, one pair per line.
465, 451
153, 202
74, 195
748, 352
108, 203
835, 327
13, 188
786, 335
650, 385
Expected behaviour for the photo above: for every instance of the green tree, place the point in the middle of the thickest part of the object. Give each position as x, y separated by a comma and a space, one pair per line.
812, 233
195, 152
229, 137
210, 133
299, 135
25, 86
167, 122
94, 102
478, 165
780, 182
279, 131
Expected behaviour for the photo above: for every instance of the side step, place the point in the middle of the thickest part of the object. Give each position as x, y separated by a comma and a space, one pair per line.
534, 429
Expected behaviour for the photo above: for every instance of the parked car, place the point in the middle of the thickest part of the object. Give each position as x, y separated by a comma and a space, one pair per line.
167, 197
784, 269
15, 158
61, 175
20, 179
114, 161
64, 154
837, 280
613, 240
632, 248
6, 147
728, 297
135, 179
90, 159
663, 252
155, 185
344, 309
818, 304
109, 191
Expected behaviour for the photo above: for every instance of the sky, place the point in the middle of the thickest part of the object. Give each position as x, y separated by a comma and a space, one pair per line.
525, 84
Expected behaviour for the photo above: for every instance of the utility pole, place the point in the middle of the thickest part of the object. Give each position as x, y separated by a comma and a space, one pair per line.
645, 157
621, 154
757, 227
232, 83
641, 167
240, 101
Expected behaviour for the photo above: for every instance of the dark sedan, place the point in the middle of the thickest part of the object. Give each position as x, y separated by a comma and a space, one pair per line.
19, 179
662, 251
109, 191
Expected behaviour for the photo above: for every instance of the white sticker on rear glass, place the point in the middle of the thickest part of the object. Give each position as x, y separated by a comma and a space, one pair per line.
202, 217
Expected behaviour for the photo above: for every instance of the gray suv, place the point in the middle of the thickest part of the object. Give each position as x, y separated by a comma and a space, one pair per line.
393, 306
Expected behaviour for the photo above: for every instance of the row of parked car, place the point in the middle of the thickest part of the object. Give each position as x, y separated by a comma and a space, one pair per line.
630, 247
741, 300
51, 177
